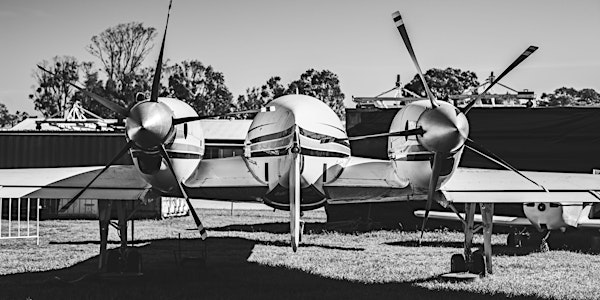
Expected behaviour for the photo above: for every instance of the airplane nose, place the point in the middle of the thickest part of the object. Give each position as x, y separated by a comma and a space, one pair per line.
446, 129
149, 124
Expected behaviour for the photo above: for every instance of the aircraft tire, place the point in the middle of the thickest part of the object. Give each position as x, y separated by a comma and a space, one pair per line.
134, 261
511, 240
477, 263
113, 261
457, 264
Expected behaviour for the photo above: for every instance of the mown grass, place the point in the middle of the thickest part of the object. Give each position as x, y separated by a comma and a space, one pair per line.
249, 257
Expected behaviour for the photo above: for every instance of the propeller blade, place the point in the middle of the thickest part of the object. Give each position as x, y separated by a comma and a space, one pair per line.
156, 80
438, 159
416, 131
402, 30
519, 59
199, 225
119, 155
294, 195
241, 112
107, 103
495, 158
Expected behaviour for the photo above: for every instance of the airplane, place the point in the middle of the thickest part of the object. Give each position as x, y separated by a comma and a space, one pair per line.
296, 158
545, 217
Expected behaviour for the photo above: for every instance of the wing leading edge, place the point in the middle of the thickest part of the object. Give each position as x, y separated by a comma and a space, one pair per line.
366, 180
499, 186
117, 183
227, 179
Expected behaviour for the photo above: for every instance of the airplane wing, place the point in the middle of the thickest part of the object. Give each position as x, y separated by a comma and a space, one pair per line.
226, 179
369, 180
498, 186
584, 220
117, 183
450, 216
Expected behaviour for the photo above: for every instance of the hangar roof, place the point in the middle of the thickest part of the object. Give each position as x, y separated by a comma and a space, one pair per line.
213, 129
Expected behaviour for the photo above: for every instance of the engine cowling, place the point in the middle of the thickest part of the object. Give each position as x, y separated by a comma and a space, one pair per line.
552, 216
412, 160
184, 146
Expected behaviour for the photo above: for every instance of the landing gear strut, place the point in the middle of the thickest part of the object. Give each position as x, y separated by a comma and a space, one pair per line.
478, 262
121, 260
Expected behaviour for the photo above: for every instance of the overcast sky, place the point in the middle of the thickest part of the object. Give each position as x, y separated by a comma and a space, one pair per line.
250, 41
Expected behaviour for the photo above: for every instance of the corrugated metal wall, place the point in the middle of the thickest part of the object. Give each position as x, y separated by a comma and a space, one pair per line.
41, 149
45, 149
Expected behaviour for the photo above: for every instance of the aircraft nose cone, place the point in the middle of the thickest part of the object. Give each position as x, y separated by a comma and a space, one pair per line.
446, 129
149, 124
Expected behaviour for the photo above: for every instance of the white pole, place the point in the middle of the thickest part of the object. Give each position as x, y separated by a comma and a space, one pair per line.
1, 200
9, 216
28, 211
38, 221
19, 217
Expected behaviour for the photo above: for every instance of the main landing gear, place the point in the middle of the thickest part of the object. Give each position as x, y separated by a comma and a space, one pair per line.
124, 260
529, 239
478, 262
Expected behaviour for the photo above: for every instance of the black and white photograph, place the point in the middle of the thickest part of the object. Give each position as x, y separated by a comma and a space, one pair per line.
269, 149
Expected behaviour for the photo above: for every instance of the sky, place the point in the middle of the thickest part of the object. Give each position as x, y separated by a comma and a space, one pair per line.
250, 41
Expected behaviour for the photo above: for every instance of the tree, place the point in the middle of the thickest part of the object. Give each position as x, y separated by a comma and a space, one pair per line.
7, 119
201, 87
122, 49
565, 96
53, 91
443, 83
256, 98
589, 96
323, 85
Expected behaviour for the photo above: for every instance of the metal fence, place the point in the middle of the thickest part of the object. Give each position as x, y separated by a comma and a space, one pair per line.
20, 219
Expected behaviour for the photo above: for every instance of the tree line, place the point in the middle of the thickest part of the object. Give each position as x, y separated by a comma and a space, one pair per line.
122, 49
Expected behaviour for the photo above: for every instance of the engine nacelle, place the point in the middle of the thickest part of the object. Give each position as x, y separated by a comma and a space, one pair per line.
411, 159
185, 151
552, 216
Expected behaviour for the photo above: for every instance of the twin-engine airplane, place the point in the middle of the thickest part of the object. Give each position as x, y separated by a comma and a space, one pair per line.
297, 158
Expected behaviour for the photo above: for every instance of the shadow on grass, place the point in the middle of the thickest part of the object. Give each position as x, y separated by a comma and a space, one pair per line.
496, 249
268, 243
227, 274
277, 228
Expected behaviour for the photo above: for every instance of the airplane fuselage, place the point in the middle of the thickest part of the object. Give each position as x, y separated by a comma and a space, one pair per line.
298, 121
298, 124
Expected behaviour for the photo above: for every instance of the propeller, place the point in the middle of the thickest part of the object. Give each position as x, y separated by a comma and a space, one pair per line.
199, 225
294, 194
522, 57
156, 79
107, 103
149, 123
495, 158
402, 30
145, 121
438, 159
443, 129
117, 157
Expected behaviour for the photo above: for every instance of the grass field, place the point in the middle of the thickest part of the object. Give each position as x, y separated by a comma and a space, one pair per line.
249, 257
